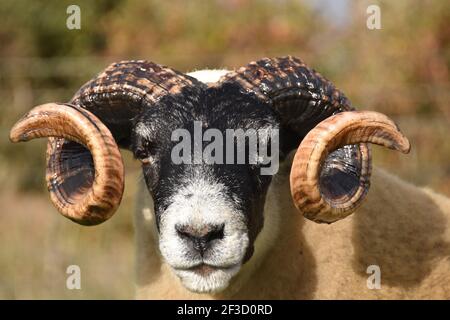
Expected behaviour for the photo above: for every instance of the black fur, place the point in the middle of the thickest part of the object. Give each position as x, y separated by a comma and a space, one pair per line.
225, 107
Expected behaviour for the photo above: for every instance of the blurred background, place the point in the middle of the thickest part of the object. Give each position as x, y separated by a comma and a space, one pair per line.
401, 69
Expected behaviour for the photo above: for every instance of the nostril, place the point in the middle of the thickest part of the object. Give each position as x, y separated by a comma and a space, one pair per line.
200, 236
183, 231
216, 232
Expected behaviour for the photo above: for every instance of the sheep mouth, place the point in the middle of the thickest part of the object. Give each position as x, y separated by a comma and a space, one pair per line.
206, 278
204, 269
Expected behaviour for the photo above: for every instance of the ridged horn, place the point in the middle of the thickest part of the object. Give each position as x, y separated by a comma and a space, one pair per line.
84, 166
303, 98
320, 200
87, 189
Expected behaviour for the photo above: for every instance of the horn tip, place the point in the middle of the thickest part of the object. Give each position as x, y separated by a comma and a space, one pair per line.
404, 146
17, 135
20, 131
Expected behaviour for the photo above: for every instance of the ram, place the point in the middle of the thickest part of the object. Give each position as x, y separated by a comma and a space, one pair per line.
225, 230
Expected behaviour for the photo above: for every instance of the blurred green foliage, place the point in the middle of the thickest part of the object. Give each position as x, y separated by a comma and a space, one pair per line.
401, 70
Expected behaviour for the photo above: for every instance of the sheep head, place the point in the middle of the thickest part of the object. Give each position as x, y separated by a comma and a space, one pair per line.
208, 213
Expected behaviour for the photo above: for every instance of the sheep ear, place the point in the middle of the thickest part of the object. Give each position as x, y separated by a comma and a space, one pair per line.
326, 185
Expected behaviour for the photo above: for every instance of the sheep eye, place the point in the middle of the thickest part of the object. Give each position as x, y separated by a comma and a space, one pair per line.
141, 153
145, 151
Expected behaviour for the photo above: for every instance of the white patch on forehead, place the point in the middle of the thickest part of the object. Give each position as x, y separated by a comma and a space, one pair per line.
208, 76
201, 201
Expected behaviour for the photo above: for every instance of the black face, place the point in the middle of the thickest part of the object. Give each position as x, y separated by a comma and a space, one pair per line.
227, 107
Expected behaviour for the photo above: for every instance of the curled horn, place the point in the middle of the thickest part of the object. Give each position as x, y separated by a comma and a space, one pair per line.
85, 174
79, 193
315, 181
303, 98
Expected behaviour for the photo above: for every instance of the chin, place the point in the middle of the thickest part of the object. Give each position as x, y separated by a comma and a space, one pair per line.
207, 279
